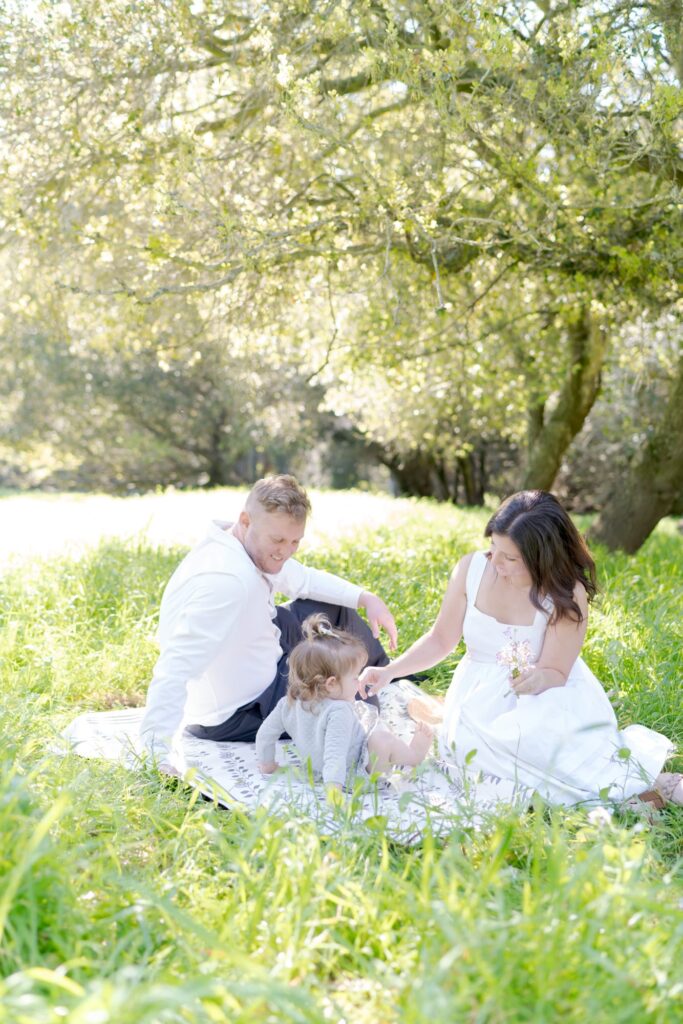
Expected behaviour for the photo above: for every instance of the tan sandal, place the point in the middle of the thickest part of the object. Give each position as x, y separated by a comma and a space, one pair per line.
645, 806
651, 797
666, 785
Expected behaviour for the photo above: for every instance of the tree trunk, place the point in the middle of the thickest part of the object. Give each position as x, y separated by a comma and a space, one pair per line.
550, 437
445, 492
415, 474
472, 471
651, 487
216, 466
535, 421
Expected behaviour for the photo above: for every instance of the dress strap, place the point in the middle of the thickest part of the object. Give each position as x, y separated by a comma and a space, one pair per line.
474, 574
542, 616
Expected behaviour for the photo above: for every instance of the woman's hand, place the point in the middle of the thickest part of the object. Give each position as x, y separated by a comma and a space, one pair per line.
372, 680
535, 680
268, 768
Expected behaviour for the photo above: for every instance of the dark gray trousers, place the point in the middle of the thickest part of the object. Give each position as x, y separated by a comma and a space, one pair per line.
243, 725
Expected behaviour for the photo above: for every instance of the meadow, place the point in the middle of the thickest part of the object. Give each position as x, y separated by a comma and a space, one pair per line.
126, 898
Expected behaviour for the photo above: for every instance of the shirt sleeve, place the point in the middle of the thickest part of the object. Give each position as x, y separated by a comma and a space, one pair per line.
208, 613
269, 733
337, 740
297, 580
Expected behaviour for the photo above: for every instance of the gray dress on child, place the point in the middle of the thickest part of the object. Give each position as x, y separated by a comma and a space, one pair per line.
332, 734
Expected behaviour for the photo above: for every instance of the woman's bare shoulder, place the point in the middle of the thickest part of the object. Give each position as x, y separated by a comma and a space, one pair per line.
581, 597
461, 568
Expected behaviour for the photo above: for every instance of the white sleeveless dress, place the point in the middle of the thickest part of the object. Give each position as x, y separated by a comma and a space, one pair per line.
563, 743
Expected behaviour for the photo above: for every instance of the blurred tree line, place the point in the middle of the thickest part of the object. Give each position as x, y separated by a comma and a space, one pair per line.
444, 239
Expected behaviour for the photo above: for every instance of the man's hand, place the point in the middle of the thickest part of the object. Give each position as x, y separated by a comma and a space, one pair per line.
379, 616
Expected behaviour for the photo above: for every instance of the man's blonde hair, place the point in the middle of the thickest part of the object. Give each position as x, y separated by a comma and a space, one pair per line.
281, 493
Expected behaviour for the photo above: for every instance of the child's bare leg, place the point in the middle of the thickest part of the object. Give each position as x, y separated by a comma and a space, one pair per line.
385, 749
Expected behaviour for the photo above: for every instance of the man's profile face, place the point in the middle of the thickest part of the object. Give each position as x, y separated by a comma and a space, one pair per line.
270, 538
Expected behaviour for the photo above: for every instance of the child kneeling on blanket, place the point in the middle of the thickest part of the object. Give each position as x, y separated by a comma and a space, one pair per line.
321, 714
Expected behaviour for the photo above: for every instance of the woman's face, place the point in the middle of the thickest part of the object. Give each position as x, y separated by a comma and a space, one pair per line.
506, 559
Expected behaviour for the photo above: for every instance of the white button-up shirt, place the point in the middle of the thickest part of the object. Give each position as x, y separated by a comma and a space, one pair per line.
219, 644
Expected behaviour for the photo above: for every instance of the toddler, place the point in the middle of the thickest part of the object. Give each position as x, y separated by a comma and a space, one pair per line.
321, 714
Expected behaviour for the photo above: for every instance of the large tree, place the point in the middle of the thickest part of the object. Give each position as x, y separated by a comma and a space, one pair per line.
648, 483
523, 153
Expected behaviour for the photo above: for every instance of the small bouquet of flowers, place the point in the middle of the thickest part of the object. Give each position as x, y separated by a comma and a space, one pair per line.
517, 656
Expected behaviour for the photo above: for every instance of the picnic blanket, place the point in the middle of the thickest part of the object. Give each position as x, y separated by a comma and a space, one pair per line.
436, 795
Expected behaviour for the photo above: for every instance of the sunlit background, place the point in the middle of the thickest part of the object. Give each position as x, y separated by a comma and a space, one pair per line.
46, 525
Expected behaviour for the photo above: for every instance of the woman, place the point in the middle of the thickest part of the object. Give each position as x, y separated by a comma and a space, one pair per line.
522, 704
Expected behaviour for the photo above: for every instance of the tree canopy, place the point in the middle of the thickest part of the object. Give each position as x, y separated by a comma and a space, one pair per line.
443, 217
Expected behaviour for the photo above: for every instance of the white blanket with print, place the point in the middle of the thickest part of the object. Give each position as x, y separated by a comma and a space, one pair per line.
435, 795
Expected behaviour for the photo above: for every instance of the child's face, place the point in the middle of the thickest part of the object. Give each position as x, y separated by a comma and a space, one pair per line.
345, 687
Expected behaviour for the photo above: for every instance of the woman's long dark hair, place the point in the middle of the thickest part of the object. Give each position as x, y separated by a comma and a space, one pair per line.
553, 550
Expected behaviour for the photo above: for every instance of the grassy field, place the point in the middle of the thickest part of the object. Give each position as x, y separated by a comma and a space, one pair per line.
125, 899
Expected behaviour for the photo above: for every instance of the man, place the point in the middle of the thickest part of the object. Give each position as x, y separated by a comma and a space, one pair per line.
224, 643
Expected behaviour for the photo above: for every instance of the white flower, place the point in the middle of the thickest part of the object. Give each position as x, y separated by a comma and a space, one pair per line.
600, 817
285, 73
516, 655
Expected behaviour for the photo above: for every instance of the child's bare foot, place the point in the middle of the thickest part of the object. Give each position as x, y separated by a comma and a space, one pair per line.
421, 741
386, 749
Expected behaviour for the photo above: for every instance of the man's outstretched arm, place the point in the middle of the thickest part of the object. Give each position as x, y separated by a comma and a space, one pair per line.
297, 580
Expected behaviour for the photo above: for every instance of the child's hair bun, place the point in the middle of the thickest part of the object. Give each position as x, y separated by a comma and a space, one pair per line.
317, 627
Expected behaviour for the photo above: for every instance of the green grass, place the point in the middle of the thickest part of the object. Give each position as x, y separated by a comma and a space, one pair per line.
126, 899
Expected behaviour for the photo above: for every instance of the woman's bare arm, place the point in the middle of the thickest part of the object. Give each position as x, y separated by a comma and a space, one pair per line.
434, 645
561, 648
